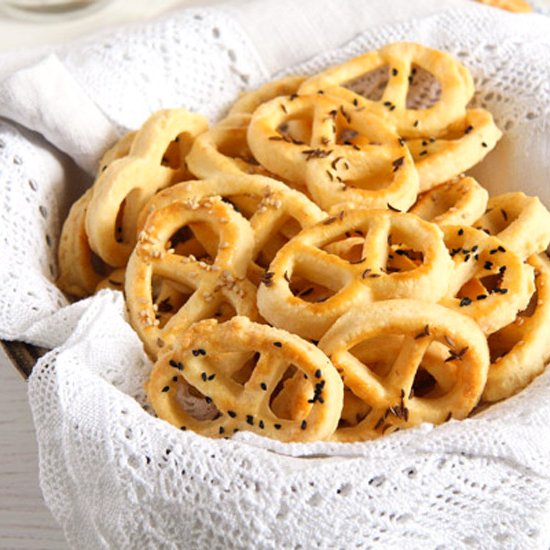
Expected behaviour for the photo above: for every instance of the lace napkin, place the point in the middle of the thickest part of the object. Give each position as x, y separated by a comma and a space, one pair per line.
116, 477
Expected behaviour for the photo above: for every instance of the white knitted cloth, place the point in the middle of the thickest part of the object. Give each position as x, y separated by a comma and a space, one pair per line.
116, 477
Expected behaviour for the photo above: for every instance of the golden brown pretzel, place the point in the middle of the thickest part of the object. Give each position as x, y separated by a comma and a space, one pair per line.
490, 283
276, 213
154, 161
402, 58
198, 360
355, 258
203, 285
433, 366
520, 350
342, 155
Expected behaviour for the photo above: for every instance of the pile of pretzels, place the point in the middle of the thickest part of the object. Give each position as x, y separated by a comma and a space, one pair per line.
317, 266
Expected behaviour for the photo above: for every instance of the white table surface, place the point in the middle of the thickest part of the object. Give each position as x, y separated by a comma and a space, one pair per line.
25, 522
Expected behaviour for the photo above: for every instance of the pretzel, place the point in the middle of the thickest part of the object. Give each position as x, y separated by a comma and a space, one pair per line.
276, 213
214, 284
520, 350
198, 360
490, 283
402, 58
224, 150
342, 157
250, 101
457, 202
464, 144
79, 271
521, 222
154, 161
119, 150
436, 370
355, 259
515, 6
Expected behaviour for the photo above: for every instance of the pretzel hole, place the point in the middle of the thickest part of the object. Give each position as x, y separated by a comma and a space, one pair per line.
371, 85
98, 265
502, 341
314, 287
424, 384
290, 398
402, 257
281, 233
168, 298
197, 239
244, 204
378, 353
235, 145
298, 128
424, 89
348, 247
193, 402
242, 374
354, 411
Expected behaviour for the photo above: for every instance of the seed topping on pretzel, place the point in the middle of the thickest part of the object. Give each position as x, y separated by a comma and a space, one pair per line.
354, 257
405, 362
238, 368
168, 287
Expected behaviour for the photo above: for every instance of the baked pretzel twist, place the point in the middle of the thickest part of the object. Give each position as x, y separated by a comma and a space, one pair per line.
342, 155
490, 283
276, 213
155, 160
401, 60
404, 362
352, 258
80, 269
520, 350
241, 391
211, 286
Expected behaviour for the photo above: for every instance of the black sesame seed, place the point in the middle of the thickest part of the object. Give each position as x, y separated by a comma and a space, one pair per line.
204, 377
461, 231
488, 265
278, 344
318, 373
468, 129
303, 425
263, 385
222, 430
465, 301
481, 297
165, 389
232, 414
483, 144
261, 424
277, 426
175, 364
394, 72
250, 419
